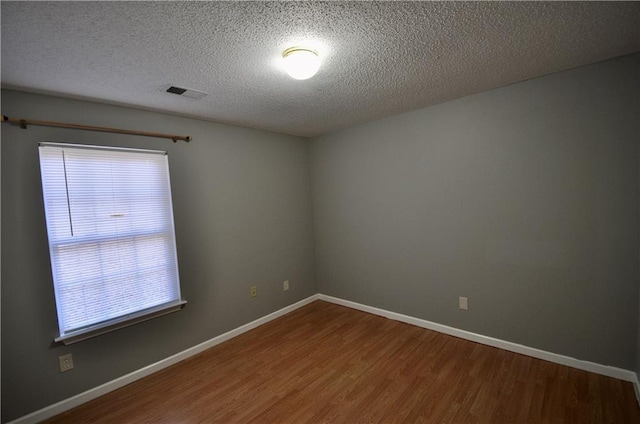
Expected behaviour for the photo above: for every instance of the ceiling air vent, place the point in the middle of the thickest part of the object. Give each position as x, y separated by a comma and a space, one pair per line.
184, 92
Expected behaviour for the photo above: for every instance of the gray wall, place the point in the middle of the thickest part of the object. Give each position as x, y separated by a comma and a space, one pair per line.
523, 198
242, 210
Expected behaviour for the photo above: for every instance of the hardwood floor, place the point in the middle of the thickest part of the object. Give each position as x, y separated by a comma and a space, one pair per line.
325, 363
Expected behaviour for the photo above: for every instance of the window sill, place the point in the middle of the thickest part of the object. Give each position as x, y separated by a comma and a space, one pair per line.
115, 324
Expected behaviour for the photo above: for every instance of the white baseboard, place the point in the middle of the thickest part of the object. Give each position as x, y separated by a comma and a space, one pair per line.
619, 373
110, 386
79, 399
636, 387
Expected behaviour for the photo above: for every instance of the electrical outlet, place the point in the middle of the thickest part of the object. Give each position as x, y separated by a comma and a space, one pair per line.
463, 303
285, 285
253, 291
66, 362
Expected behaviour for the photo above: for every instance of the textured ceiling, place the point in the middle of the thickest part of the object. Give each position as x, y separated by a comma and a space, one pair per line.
378, 58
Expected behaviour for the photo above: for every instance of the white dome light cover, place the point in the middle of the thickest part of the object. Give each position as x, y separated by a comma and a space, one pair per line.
300, 62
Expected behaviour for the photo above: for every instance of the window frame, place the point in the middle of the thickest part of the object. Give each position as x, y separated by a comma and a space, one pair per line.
97, 327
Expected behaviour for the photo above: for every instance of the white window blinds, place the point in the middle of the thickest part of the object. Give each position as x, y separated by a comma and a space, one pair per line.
111, 236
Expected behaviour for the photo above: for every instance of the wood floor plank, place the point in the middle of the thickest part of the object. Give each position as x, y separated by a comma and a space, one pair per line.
325, 363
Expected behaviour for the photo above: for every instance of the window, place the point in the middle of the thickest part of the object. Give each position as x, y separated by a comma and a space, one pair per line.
111, 237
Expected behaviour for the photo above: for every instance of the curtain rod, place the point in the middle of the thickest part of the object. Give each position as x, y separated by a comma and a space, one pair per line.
24, 122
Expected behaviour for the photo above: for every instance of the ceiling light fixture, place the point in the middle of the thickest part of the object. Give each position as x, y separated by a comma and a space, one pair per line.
300, 62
